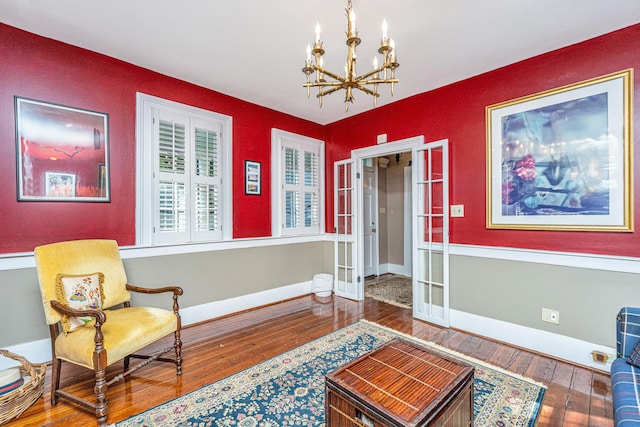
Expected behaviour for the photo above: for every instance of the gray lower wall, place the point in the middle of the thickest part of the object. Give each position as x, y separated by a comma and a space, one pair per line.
513, 291
204, 276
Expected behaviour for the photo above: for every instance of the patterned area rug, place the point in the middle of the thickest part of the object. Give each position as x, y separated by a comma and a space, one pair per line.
288, 390
390, 288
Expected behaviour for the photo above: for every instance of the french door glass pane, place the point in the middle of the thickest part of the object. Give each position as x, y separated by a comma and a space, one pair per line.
437, 197
437, 233
437, 163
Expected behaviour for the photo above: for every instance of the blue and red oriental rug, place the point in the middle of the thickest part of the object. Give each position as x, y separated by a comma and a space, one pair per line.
288, 390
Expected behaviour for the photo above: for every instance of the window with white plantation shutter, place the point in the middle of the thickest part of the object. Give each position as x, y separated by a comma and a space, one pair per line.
297, 177
186, 153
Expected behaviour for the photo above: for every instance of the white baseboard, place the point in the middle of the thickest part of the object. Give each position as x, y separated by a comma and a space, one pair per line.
393, 269
215, 309
556, 345
40, 351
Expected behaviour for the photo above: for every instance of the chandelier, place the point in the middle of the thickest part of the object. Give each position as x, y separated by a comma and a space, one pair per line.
367, 83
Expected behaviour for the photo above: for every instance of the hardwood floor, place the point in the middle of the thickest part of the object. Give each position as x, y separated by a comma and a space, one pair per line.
576, 396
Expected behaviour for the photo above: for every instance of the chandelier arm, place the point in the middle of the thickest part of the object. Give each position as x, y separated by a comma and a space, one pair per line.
323, 84
367, 90
377, 81
369, 74
328, 92
329, 73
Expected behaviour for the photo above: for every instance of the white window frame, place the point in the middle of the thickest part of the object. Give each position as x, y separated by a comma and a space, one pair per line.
279, 140
146, 194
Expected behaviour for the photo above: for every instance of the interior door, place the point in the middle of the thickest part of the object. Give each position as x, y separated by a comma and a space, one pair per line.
345, 261
431, 236
369, 219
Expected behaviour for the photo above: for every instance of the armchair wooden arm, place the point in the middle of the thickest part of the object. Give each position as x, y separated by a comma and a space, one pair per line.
99, 315
175, 289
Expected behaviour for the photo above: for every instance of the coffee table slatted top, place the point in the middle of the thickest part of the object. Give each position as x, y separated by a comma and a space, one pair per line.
403, 378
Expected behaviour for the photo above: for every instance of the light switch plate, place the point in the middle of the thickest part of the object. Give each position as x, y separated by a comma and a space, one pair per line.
457, 211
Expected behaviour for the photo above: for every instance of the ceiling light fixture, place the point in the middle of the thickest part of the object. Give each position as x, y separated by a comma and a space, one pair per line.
381, 74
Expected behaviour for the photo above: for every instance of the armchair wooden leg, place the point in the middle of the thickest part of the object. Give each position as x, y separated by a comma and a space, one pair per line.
100, 388
55, 379
178, 346
101, 397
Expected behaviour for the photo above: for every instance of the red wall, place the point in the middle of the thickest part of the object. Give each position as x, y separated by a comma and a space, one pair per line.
457, 113
47, 70
43, 69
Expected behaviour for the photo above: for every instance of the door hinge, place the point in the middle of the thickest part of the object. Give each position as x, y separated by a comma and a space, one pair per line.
359, 279
357, 175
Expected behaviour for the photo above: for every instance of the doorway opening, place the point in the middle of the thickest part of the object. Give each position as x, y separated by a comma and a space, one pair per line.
387, 228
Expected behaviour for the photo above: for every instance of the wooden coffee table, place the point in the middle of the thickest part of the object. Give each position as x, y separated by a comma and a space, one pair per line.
400, 384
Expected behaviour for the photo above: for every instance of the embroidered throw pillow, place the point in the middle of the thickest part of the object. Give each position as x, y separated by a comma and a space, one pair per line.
634, 357
81, 292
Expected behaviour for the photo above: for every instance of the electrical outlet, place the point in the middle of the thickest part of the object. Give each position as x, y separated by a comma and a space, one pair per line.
457, 211
599, 356
550, 316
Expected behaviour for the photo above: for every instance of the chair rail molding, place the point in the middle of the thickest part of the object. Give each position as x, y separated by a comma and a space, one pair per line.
562, 259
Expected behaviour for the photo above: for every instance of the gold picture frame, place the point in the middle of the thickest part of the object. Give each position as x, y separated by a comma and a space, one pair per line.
563, 159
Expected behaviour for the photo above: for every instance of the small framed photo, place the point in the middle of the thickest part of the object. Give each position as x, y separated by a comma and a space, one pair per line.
60, 184
252, 177
562, 159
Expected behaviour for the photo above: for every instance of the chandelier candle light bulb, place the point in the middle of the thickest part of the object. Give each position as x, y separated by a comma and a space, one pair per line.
351, 27
351, 80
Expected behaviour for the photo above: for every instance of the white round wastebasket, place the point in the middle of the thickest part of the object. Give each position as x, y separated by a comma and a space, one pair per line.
322, 284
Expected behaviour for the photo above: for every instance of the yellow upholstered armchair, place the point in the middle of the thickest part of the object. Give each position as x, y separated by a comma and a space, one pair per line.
86, 301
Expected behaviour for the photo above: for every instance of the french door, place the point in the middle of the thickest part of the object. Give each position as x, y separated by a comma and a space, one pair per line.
431, 234
346, 277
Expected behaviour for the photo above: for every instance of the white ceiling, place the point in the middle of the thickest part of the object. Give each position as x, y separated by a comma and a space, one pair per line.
255, 49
